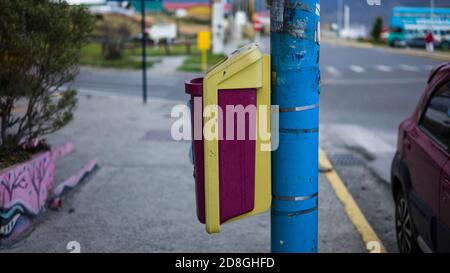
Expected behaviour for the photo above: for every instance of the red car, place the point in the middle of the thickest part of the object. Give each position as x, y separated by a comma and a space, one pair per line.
420, 173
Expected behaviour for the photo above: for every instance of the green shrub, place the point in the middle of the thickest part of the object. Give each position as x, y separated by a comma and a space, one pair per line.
114, 39
377, 29
40, 42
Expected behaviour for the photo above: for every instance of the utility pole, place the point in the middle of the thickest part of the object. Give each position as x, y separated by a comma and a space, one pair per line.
251, 10
431, 14
295, 46
217, 26
340, 4
347, 17
144, 53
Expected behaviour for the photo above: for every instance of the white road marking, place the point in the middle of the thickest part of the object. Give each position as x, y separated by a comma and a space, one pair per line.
384, 68
379, 144
409, 68
357, 69
333, 71
428, 67
370, 140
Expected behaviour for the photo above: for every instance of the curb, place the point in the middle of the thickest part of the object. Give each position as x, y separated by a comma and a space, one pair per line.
354, 213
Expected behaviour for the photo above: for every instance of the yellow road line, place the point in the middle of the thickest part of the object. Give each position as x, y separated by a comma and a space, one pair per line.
358, 219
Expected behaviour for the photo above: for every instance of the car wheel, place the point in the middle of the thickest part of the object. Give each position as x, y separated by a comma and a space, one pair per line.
398, 43
406, 238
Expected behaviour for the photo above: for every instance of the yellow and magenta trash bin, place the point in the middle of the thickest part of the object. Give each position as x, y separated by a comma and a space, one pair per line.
232, 165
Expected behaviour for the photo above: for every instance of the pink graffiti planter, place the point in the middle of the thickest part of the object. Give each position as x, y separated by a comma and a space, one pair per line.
27, 188
24, 189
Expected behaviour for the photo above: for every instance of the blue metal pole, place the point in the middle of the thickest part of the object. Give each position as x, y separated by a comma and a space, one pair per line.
295, 46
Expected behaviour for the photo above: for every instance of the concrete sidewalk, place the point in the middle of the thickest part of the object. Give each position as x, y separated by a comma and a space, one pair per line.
141, 199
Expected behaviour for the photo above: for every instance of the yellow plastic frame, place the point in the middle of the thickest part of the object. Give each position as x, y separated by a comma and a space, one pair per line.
245, 68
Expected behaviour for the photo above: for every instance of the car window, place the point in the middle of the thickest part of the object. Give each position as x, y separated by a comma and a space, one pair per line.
436, 120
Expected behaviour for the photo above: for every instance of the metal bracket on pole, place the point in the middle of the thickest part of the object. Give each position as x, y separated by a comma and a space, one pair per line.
295, 45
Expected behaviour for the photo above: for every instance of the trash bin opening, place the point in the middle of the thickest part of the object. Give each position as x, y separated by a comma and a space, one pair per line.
194, 87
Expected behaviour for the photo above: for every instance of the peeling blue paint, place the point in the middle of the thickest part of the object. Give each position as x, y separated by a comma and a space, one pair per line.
295, 45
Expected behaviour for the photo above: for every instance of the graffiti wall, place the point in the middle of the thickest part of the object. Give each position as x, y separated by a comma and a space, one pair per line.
24, 190
27, 188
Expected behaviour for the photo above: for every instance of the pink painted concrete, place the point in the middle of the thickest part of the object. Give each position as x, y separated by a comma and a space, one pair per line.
25, 189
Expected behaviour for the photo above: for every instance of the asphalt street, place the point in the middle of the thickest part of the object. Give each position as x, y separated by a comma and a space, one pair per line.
163, 81
365, 94
370, 88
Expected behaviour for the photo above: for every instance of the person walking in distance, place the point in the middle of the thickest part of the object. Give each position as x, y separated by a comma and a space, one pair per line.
430, 41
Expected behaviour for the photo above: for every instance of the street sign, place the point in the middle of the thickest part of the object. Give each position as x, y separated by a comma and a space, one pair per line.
153, 6
257, 25
204, 44
204, 40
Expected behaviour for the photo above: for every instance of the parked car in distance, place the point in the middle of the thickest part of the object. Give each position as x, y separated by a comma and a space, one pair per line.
419, 42
409, 27
420, 172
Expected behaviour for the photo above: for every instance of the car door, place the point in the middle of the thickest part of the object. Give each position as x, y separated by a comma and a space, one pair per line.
443, 225
425, 154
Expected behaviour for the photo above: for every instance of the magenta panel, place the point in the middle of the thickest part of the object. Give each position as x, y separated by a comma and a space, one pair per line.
236, 157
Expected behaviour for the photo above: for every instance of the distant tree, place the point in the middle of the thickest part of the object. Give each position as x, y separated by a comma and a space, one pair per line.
114, 40
377, 29
40, 42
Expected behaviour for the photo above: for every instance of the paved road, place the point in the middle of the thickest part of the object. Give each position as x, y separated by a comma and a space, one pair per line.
382, 88
366, 93
163, 81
